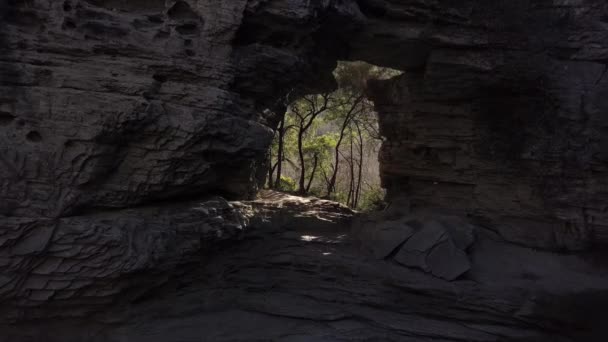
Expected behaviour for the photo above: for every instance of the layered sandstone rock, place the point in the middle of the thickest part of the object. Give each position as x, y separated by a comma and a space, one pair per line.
432, 244
300, 274
78, 265
503, 119
119, 118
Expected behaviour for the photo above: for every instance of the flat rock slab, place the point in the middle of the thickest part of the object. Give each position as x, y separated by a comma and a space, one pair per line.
386, 237
434, 245
446, 261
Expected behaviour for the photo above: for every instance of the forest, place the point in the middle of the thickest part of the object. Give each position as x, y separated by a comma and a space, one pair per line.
327, 144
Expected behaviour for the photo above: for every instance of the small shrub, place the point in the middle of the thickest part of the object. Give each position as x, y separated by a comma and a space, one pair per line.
287, 184
372, 200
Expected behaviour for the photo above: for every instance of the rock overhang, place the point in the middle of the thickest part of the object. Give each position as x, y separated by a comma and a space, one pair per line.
107, 106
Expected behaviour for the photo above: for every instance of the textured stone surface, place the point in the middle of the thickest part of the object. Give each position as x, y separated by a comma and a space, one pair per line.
383, 235
117, 103
118, 118
277, 210
115, 115
77, 265
503, 118
312, 283
434, 244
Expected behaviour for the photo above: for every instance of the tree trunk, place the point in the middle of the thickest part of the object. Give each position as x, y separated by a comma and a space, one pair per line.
302, 189
361, 151
332, 182
351, 186
331, 187
312, 174
280, 153
270, 169
305, 122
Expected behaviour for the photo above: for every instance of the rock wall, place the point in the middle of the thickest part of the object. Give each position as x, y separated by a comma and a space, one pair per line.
117, 116
78, 265
503, 119
109, 104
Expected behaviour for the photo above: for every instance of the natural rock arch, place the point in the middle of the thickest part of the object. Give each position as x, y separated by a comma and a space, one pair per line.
494, 119
499, 117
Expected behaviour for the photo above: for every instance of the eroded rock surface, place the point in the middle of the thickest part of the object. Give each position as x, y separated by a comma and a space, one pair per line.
313, 282
437, 245
113, 111
78, 265
282, 211
502, 118
119, 118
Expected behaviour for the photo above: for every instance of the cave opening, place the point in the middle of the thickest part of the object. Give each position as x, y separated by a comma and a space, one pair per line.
132, 137
327, 143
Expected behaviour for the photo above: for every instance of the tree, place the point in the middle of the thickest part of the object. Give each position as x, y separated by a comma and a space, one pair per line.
317, 150
327, 143
355, 115
346, 114
306, 111
361, 155
280, 152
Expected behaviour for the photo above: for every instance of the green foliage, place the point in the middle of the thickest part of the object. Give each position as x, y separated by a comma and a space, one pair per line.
287, 184
339, 196
320, 145
372, 200
341, 121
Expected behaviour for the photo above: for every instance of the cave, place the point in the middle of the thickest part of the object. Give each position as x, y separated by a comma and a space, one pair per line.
133, 143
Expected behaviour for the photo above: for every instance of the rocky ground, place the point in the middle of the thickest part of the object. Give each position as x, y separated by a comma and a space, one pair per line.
300, 273
124, 123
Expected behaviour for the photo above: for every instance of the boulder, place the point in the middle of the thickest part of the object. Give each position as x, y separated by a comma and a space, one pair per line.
436, 248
